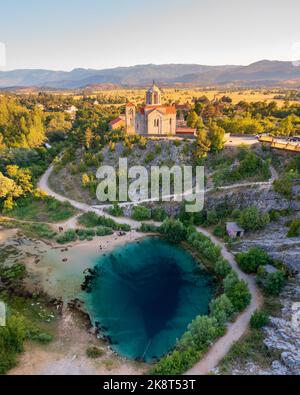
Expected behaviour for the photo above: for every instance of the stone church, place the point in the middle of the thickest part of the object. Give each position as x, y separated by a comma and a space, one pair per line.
153, 118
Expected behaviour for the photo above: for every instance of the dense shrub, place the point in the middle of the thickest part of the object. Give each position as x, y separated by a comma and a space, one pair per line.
221, 309
204, 246
12, 337
84, 234
222, 267
220, 231
202, 331
212, 217
141, 213
250, 166
89, 220
252, 219
173, 230
150, 156
66, 237
294, 230
116, 211
284, 186
274, 283
149, 228
92, 220
158, 214
103, 231
12, 273
176, 363
271, 283
259, 319
250, 261
38, 336
237, 291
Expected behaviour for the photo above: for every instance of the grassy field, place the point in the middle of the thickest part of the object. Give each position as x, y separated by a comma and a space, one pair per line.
31, 230
46, 210
186, 95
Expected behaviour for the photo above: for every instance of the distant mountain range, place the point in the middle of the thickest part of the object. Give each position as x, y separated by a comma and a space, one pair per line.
262, 73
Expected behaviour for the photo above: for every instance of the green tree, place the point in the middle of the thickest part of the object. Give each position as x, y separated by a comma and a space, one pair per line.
216, 135
141, 213
250, 261
237, 291
193, 119
201, 332
222, 309
222, 267
174, 230
88, 138
274, 283
22, 177
252, 219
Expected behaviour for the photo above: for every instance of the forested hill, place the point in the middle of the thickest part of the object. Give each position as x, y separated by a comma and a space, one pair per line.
260, 73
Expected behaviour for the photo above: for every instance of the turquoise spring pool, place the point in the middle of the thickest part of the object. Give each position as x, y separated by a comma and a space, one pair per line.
145, 294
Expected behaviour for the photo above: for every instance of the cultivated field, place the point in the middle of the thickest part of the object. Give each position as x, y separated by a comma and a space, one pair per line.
186, 95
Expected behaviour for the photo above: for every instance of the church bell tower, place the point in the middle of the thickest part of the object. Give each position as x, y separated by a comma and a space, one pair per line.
130, 118
153, 96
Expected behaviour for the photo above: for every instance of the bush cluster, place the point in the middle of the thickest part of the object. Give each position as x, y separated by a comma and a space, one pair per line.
141, 213
252, 219
294, 230
250, 261
92, 220
271, 283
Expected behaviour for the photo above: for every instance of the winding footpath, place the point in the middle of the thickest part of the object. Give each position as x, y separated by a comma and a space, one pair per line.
235, 330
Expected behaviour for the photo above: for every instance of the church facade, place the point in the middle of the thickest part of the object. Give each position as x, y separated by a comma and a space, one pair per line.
153, 118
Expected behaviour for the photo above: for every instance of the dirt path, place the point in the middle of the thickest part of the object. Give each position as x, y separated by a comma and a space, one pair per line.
235, 330
43, 185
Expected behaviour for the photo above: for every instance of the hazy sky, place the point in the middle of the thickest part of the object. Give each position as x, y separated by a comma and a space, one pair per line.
65, 34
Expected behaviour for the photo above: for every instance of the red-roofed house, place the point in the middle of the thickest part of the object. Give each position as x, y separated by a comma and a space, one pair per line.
118, 123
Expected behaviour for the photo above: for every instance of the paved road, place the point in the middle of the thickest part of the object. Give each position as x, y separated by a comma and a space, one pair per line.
235, 141
235, 330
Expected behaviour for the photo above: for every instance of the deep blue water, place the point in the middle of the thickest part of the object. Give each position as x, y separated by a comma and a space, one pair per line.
144, 296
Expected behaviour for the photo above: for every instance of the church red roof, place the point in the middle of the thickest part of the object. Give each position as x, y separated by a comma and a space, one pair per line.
164, 109
130, 104
170, 110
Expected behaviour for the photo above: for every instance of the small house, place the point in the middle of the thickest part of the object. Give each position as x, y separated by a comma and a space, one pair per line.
118, 123
234, 231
